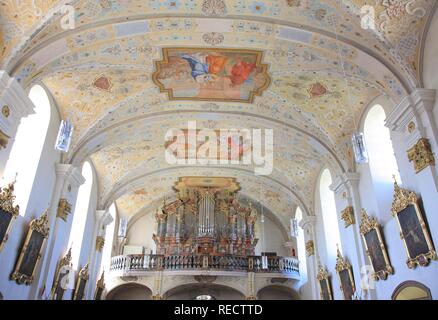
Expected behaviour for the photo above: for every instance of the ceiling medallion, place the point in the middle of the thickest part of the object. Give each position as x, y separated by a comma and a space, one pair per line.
213, 38
317, 90
201, 74
103, 83
214, 7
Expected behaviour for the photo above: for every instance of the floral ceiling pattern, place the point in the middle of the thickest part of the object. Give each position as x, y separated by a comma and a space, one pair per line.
324, 67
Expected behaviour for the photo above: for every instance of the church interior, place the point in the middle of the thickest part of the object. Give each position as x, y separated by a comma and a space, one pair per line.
218, 149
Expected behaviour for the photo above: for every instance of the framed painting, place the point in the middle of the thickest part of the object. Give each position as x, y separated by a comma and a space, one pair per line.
325, 289
8, 212
211, 74
100, 287
413, 229
375, 247
31, 251
62, 275
81, 283
345, 276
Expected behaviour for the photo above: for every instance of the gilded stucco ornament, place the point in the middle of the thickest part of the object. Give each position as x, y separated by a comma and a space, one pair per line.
345, 276
64, 209
310, 248
421, 155
347, 215
6, 111
100, 242
324, 283
4, 139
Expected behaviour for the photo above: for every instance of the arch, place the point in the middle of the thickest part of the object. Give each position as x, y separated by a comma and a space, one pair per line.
193, 290
26, 151
80, 214
328, 213
277, 292
411, 290
382, 162
130, 291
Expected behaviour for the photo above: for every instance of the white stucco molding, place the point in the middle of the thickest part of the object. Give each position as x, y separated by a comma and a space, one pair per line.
414, 109
308, 221
345, 182
70, 173
16, 98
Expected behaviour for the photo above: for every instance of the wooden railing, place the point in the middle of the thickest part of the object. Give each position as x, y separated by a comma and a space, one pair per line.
151, 262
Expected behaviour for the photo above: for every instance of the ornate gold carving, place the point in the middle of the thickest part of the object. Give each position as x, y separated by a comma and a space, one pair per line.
40, 226
369, 224
157, 297
404, 198
411, 126
347, 215
421, 154
64, 209
323, 276
251, 298
310, 248
6, 111
8, 210
63, 263
100, 242
4, 139
101, 281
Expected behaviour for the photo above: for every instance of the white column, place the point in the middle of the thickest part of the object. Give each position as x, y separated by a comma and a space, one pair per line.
102, 218
14, 105
308, 224
68, 181
346, 189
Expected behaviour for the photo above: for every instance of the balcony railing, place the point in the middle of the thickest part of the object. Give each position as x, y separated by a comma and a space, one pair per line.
151, 262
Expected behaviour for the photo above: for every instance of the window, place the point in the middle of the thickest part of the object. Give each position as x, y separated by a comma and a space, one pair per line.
80, 214
382, 162
329, 215
109, 238
28, 145
301, 246
381, 154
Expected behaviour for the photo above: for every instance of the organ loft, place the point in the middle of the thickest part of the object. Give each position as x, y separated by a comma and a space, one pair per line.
206, 218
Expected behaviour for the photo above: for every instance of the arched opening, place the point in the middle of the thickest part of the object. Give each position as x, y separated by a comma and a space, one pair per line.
109, 238
382, 162
28, 145
276, 292
411, 290
329, 215
130, 291
80, 214
301, 246
195, 291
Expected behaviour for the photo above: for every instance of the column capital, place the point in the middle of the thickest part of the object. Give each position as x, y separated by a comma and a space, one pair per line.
70, 173
345, 181
406, 116
288, 244
307, 220
104, 217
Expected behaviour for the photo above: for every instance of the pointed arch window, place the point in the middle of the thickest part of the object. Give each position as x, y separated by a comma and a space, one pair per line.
27, 148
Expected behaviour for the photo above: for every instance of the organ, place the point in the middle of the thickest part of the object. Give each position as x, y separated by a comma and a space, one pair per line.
205, 218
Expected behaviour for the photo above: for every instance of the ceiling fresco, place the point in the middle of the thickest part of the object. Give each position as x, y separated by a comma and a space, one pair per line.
130, 70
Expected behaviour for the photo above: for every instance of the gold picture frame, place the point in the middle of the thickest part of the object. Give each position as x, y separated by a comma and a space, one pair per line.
413, 229
375, 247
8, 212
325, 289
63, 269
31, 251
81, 283
345, 276
100, 287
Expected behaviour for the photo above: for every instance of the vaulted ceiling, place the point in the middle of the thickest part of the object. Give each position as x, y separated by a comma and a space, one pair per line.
324, 69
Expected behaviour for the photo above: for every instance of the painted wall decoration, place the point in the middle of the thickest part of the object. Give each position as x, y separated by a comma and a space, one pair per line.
233, 75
